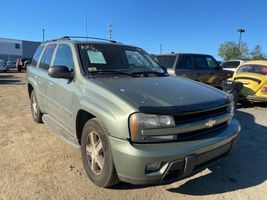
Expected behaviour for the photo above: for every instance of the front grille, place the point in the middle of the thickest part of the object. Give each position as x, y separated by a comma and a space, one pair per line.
206, 115
196, 116
194, 135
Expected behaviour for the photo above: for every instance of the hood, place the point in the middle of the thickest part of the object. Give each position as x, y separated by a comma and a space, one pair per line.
252, 82
164, 95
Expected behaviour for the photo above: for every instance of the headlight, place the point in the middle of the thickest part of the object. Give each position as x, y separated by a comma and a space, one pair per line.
140, 121
231, 106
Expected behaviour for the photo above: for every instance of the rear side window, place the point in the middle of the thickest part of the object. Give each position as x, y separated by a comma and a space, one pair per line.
185, 62
37, 55
47, 57
166, 61
64, 57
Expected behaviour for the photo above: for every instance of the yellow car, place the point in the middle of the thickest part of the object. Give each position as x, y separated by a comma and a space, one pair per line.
253, 76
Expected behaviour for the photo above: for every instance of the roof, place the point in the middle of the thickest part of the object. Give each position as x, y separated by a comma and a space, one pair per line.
92, 40
10, 40
256, 62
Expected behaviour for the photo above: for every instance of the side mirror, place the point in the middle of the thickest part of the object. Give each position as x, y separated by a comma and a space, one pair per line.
60, 72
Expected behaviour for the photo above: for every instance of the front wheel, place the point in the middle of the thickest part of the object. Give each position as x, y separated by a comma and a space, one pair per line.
96, 154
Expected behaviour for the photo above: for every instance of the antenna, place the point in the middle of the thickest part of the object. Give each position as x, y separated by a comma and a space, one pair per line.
110, 32
86, 33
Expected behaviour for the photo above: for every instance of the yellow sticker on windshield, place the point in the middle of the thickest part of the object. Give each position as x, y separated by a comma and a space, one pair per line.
92, 69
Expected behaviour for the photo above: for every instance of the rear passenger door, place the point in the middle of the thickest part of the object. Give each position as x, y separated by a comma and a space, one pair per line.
41, 77
184, 67
62, 91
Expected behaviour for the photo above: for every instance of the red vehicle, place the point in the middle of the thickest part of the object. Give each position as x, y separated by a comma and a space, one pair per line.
22, 63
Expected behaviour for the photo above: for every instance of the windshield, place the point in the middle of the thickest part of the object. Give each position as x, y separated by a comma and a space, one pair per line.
116, 58
231, 64
258, 69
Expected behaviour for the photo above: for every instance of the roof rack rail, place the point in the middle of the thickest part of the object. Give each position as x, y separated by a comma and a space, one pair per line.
85, 37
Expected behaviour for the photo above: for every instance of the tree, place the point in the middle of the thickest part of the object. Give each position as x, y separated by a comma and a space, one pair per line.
257, 53
229, 50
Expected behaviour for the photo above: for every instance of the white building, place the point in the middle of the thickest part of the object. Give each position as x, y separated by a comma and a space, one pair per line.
11, 49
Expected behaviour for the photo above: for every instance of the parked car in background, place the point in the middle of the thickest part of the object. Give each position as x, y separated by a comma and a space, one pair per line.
231, 64
3, 67
10, 65
199, 67
219, 62
253, 76
22, 63
133, 121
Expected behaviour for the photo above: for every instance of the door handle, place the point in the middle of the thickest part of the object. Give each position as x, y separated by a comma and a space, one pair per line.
36, 77
50, 83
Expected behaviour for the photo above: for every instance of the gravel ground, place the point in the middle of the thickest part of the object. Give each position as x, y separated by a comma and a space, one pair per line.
37, 164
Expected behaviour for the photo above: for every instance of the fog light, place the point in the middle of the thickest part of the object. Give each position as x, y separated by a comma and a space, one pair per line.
153, 166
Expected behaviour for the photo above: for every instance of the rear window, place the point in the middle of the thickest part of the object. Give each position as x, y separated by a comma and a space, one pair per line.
166, 61
37, 55
231, 64
257, 69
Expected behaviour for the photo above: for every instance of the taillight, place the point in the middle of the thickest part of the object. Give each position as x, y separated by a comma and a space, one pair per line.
264, 90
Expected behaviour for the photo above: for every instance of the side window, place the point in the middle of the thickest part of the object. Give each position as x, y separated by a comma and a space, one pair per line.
64, 57
185, 62
200, 62
47, 57
37, 55
213, 64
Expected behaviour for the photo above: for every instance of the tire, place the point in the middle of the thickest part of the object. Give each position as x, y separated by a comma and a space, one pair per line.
96, 155
36, 113
19, 69
235, 94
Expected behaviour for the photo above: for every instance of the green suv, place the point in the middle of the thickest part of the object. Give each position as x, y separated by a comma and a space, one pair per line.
131, 120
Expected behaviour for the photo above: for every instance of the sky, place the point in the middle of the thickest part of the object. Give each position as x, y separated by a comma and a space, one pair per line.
197, 26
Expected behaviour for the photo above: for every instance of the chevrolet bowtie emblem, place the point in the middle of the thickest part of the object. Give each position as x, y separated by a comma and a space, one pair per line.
210, 123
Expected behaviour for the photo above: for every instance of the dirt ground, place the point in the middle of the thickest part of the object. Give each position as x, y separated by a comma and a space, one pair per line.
36, 164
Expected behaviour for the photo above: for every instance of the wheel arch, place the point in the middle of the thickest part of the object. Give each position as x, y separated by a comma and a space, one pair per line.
81, 118
30, 89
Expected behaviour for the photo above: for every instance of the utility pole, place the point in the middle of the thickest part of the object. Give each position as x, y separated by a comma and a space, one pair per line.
240, 30
43, 34
160, 48
110, 32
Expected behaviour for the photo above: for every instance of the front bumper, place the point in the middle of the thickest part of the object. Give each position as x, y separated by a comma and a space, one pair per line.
3, 69
179, 159
256, 98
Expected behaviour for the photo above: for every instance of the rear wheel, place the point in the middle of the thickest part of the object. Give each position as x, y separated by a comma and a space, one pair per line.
36, 113
96, 155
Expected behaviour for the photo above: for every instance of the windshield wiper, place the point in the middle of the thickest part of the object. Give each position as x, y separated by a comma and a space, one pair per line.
110, 72
146, 73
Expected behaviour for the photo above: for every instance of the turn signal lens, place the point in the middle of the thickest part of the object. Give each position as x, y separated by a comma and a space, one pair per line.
264, 90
